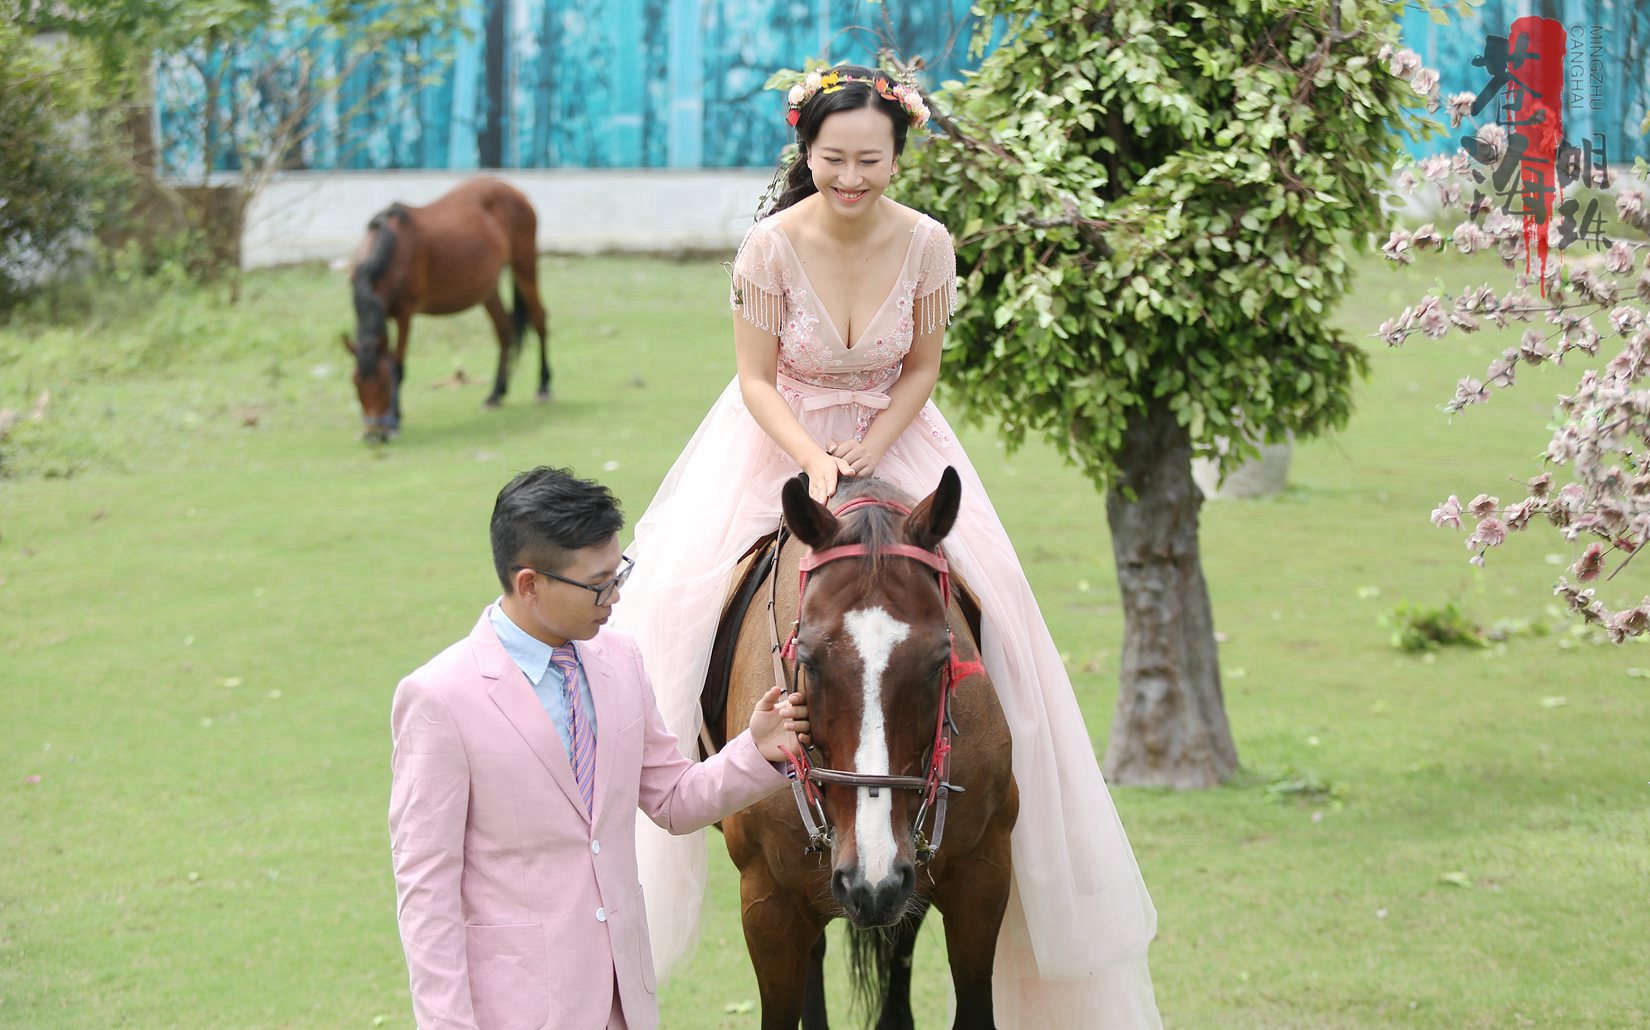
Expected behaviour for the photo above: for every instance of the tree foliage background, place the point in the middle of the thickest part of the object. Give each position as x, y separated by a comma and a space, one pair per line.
1154, 204
56, 163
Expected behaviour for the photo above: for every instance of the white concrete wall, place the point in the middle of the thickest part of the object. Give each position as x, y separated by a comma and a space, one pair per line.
307, 216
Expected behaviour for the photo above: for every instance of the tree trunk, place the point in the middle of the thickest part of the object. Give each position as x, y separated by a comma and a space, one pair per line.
1170, 728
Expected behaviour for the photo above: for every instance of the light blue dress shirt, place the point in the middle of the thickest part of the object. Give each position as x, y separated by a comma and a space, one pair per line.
532, 657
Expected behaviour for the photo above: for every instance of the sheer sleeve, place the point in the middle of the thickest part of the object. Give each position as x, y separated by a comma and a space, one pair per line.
936, 297
756, 291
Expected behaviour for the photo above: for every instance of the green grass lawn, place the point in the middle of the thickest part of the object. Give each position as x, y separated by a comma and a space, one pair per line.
209, 588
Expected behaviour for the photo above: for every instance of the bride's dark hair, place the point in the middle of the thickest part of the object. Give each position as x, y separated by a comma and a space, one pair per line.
794, 181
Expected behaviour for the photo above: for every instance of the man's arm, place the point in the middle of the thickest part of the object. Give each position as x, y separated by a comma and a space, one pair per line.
429, 802
682, 796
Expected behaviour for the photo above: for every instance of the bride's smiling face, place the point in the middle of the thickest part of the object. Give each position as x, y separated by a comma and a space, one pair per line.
852, 159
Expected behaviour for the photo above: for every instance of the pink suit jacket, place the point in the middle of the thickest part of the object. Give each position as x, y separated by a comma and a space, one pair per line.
517, 910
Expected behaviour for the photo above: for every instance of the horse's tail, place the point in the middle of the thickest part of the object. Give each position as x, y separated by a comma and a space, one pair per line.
371, 321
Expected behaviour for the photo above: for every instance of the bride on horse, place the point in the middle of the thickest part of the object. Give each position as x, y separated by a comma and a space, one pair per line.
841, 298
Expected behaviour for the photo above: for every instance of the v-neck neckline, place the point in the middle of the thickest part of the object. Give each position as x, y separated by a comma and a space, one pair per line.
819, 304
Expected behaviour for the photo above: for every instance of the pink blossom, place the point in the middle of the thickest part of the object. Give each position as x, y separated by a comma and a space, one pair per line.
1625, 319
1449, 511
1477, 559
1449, 194
1483, 505
1468, 391
1406, 181
1404, 64
1391, 333
1396, 247
1532, 347
1518, 515
1629, 623
33, 778
1426, 238
1435, 168
1468, 238
1642, 287
1460, 163
1500, 372
1540, 485
1492, 142
1490, 532
1620, 258
1434, 321
1629, 205
1459, 106
1425, 82
1592, 561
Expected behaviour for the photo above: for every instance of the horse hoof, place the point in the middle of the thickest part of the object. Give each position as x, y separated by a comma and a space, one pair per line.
545, 396
493, 402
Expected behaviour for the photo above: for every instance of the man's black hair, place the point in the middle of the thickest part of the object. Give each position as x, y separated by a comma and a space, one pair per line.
541, 517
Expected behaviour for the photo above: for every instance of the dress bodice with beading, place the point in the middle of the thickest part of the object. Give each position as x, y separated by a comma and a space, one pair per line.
771, 290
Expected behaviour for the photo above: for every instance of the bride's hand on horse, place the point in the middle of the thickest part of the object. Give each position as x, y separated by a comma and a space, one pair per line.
776, 724
823, 470
860, 458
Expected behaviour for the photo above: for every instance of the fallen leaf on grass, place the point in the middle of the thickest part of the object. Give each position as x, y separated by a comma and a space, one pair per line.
1455, 878
1554, 702
35, 778
739, 1007
41, 403
232, 681
458, 378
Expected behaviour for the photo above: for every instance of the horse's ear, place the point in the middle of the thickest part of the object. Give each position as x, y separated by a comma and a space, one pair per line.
349, 345
811, 522
931, 520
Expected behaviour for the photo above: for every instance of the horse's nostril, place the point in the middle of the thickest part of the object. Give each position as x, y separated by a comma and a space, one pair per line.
839, 884
907, 877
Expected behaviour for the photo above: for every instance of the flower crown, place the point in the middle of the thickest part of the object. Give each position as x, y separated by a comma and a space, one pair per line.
905, 94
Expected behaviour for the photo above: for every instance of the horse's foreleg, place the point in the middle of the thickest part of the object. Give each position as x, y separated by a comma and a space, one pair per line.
896, 1007
973, 896
780, 934
813, 999
501, 325
403, 332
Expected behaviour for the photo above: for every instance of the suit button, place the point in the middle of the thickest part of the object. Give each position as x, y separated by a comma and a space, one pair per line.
601, 915
595, 847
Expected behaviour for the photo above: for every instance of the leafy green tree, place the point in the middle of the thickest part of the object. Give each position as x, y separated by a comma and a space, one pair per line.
55, 164
259, 69
1153, 205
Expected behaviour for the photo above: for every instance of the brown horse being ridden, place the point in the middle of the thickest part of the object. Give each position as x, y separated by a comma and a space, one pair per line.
441, 259
901, 717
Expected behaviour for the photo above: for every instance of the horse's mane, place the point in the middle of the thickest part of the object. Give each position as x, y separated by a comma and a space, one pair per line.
371, 326
874, 526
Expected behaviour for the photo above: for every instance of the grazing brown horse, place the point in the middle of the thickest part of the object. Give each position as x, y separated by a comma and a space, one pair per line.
441, 259
903, 722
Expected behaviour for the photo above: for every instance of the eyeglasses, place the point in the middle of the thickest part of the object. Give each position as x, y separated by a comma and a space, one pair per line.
604, 591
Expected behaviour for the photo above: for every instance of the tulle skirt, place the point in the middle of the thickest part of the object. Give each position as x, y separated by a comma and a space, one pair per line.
1072, 952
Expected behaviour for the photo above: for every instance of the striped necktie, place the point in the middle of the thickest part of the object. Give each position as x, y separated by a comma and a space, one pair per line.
581, 742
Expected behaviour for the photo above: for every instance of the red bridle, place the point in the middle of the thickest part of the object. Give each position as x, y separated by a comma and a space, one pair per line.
933, 783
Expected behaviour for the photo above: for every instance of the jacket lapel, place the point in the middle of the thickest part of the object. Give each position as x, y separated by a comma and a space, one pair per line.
514, 696
606, 690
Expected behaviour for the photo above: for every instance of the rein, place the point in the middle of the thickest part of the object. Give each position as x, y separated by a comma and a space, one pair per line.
807, 778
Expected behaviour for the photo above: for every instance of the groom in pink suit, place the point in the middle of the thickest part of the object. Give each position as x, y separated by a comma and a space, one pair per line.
522, 754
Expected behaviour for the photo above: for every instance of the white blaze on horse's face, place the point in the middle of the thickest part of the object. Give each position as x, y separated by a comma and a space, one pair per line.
875, 634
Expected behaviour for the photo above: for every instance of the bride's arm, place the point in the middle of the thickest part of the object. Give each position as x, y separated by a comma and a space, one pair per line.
756, 352
918, 373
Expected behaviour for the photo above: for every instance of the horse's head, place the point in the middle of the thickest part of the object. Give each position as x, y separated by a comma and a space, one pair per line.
873, 650
375, 384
